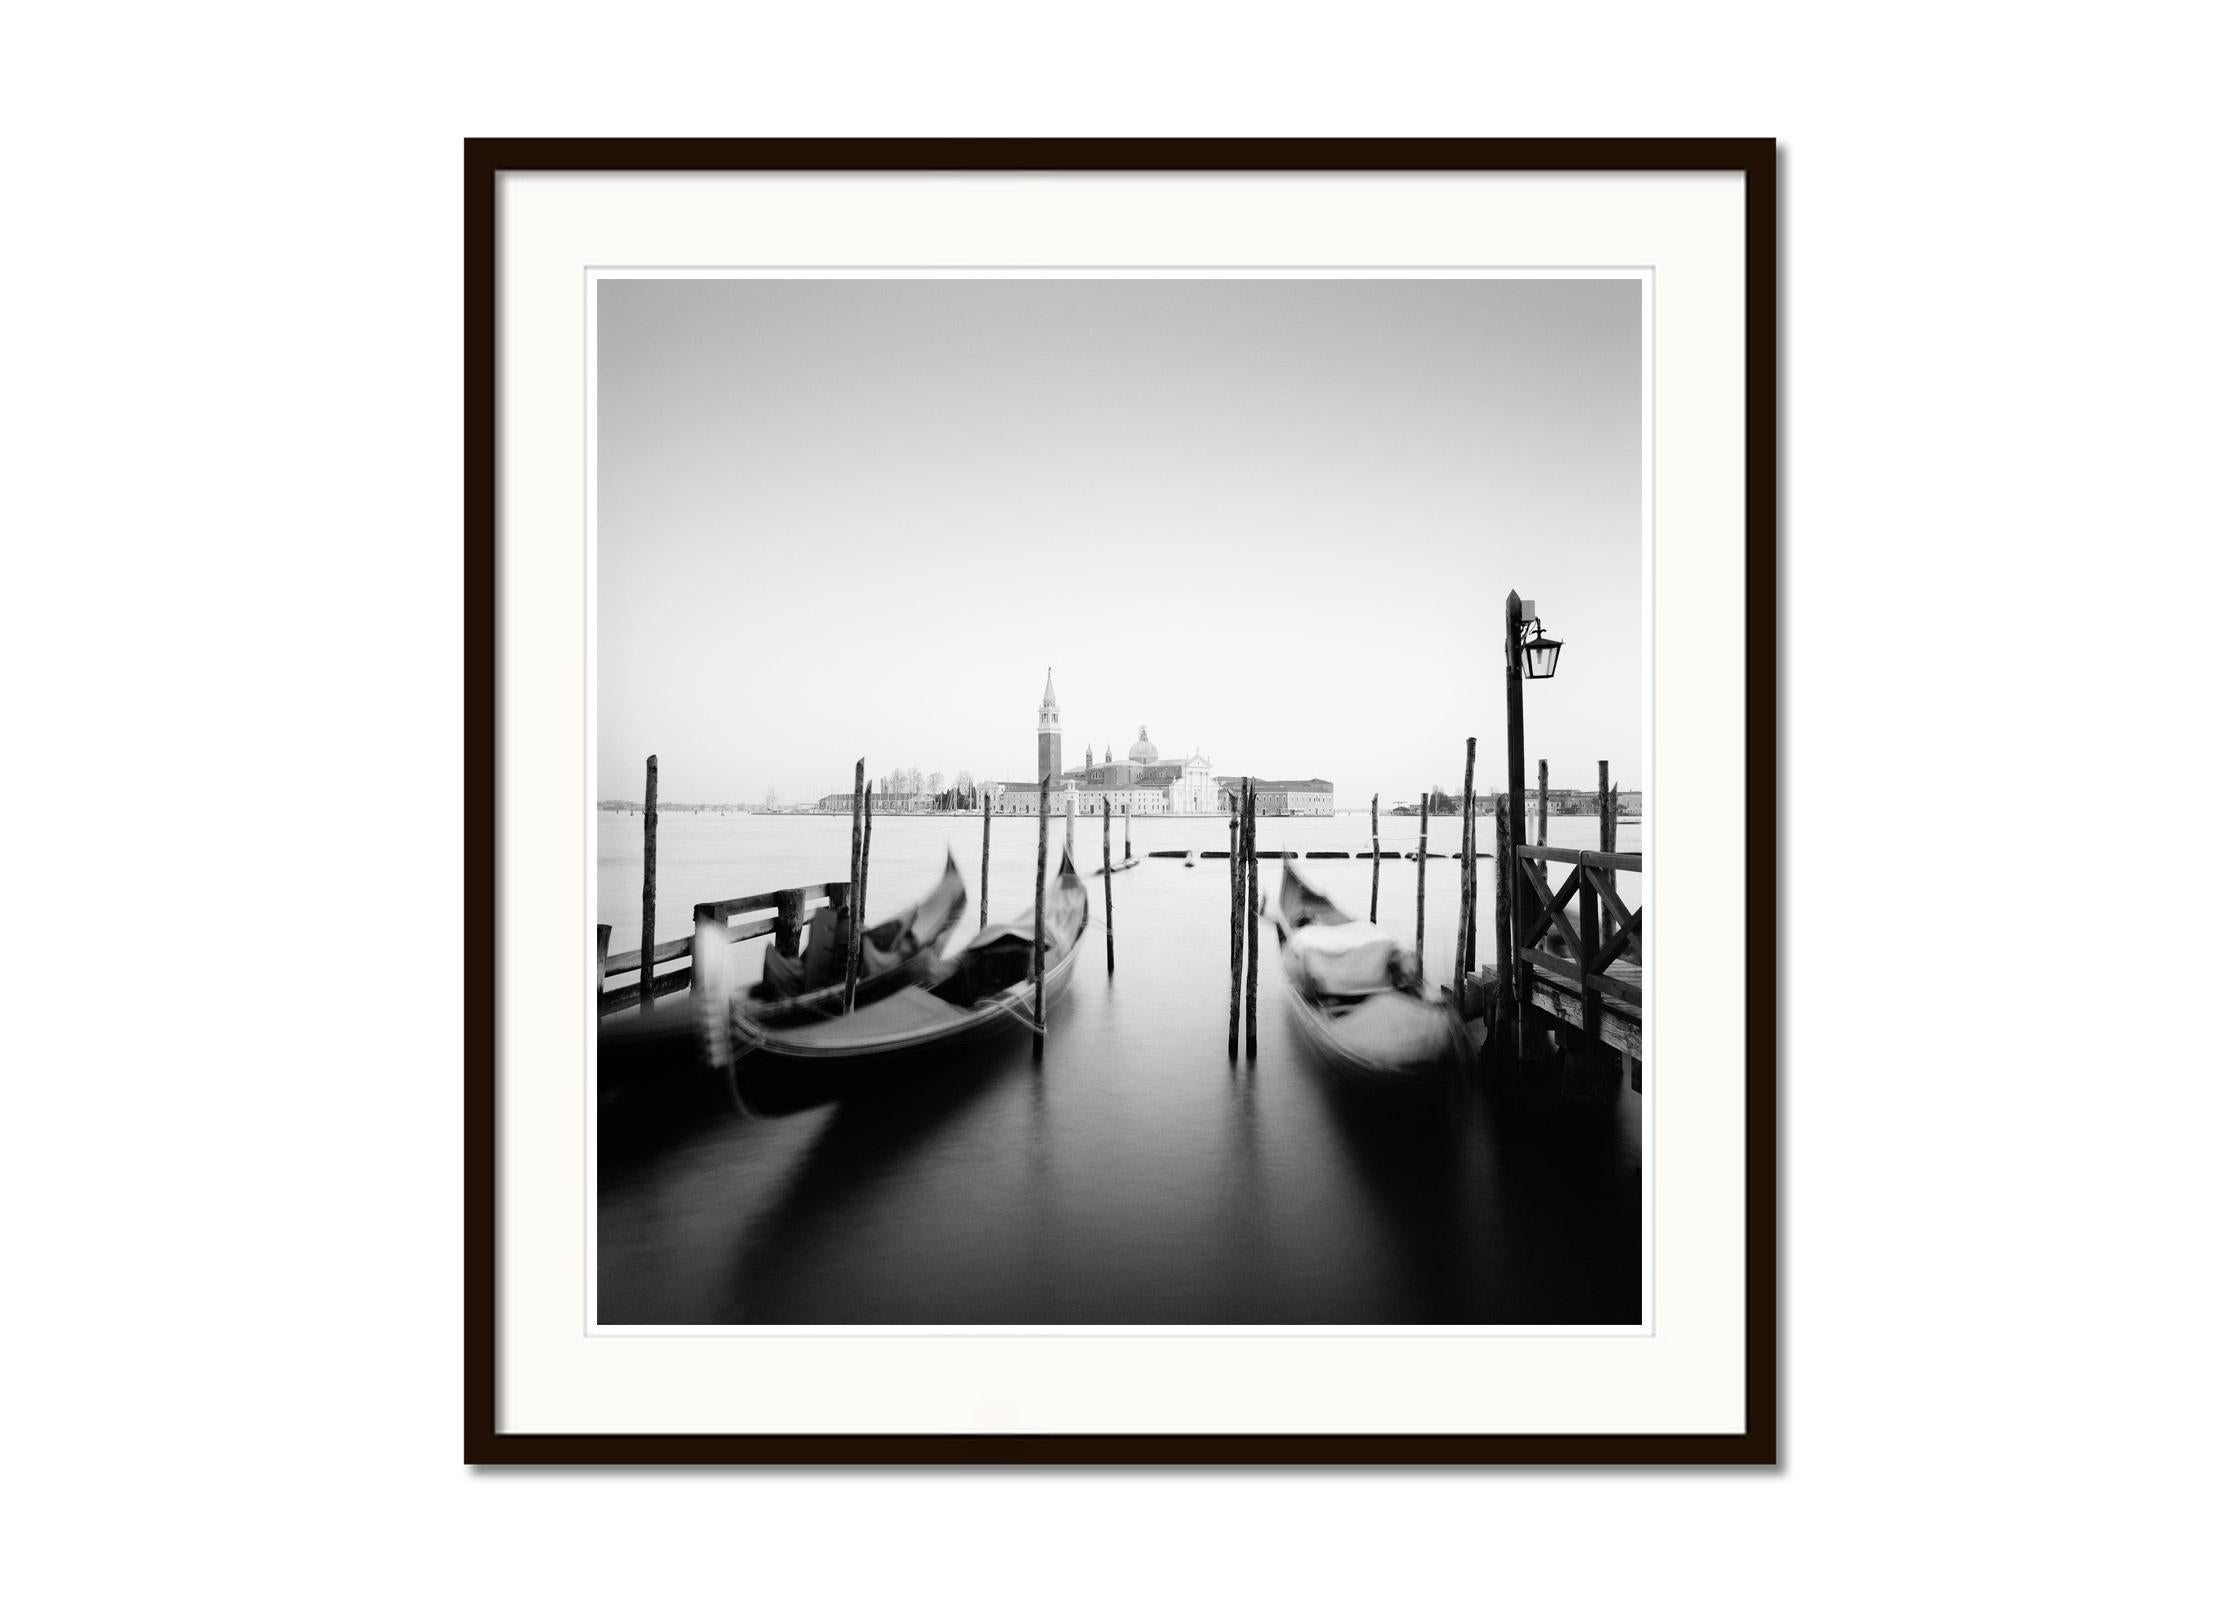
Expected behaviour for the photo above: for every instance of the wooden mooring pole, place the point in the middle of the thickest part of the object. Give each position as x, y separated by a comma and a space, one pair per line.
863, 905
1252, 921
855, 889
987, 830
1108, 887
1423, 857
1127, 833
1470, 868
1589, 1036
1236, 923
1497, 1002
1543, 800
1611, 916
1376, 865
793, 907
1041, 931
1590, 908
1465, 913
645, 896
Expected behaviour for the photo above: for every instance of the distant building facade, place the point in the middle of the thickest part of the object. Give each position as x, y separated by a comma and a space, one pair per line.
885, 803
1284, 797
1572, 802
1141, 784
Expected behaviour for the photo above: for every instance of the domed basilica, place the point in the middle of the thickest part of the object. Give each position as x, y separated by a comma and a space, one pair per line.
1143, 784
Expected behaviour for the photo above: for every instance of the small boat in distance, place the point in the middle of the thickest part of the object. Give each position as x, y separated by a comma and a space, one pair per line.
988, 984
896, 953
1358, 996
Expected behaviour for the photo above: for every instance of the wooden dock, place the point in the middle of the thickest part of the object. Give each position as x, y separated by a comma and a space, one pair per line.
1578, 953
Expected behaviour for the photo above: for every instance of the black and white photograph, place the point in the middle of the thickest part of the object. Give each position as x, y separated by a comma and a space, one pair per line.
1120, 799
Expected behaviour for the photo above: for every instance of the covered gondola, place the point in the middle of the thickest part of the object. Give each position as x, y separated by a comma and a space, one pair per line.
1357, 995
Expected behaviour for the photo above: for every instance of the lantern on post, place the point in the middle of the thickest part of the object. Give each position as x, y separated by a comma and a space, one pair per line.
1540, 651
1528, 653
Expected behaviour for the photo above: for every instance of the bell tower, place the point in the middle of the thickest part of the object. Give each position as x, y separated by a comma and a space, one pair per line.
1050, 762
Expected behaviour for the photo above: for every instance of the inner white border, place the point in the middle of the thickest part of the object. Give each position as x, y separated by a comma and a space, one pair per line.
1687, 230
589, 1066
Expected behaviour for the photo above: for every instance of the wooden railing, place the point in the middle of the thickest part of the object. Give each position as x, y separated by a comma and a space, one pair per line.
781, 913
1581, 949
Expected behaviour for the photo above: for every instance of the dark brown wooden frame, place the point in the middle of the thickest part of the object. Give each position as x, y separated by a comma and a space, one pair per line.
488, 161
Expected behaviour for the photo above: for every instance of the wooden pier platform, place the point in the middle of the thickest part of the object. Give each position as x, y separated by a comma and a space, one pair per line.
1616, 1022
1587, 972
1575, 958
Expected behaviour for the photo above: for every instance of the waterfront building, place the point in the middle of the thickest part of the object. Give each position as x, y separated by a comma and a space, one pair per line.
1567, 802
1285, 797
1141, 784
884, 802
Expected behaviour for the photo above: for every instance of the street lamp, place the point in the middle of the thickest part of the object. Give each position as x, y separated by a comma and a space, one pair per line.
1540, 651
1527, 653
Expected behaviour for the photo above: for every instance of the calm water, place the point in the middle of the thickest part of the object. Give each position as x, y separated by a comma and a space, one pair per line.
1135, 1175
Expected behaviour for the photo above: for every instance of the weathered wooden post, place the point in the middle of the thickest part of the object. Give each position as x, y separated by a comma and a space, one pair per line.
1108, 886
599, 967
1590, 903
1069, 828
1252, 921
1236, 923
1127, 834
1376, 861
987, 832
645, 896
1041, 930
854, 915
1612, 918
1543, 799
1590, 932
863, 909
1512, 657
1497, 1001
1470, 808
1470, 887
1423, 859
707, 951
792, 909
1470, 870
986, 841
1465, 912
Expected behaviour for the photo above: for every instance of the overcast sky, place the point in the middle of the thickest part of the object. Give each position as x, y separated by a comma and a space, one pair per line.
1272, 520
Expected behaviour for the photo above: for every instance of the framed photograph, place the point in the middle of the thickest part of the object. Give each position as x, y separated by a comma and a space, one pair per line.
1124, 801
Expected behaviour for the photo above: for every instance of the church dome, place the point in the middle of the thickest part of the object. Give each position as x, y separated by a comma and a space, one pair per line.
1143, 749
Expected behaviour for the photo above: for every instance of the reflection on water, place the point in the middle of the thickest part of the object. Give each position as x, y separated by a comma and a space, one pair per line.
1135, 1175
